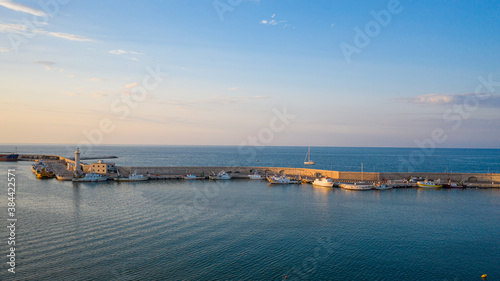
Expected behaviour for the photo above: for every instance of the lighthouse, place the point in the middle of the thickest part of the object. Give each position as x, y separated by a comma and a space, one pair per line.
77, 160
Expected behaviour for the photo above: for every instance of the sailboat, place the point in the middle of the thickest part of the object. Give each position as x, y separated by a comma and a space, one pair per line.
307, 160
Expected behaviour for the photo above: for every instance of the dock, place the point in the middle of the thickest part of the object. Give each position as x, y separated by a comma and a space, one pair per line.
482, 180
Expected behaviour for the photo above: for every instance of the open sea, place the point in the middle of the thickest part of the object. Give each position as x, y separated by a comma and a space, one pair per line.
249, 230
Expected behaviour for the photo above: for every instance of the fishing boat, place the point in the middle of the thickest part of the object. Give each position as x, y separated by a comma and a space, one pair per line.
220, 176
358, 186
192, 177
91, 177
133, 177
256, 176
307, 160
8, 157
382, 186
429, 184
283, 179
453, 184
323, 181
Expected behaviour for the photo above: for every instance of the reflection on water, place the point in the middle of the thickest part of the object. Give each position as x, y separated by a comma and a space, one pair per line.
249, 230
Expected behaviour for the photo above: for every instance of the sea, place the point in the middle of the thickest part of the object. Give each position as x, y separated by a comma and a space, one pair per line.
250, 230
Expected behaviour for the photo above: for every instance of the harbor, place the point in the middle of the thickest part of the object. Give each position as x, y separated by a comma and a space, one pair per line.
64, 169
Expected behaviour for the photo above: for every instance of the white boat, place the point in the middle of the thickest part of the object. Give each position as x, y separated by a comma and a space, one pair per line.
133, 177
256, 176
358, 186
63, 178
382, 186
280, 180
430, 184
323, 181
307, 160
91, 177
221, 176
192, 177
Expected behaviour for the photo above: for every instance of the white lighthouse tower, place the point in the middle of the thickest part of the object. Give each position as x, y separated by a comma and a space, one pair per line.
77, 160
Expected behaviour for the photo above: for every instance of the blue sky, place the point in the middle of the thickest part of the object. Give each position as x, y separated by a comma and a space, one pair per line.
232, 64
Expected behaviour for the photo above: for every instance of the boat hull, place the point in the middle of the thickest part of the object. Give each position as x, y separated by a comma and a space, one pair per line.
136, 179
91, 180
255, 177
323, 183
281, 181
9, 157
360, 187
429, 185
62, 178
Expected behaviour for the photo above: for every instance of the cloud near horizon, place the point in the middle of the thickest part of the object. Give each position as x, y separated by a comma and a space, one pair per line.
24, 29
22, 8
482, 99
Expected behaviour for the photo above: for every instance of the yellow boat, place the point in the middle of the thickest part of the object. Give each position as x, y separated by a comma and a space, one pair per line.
430, 184
44, 173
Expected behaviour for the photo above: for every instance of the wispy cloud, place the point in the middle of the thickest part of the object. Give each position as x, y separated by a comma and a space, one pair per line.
96, 79
274, 21
4, 50
67, 36
131, 85
47, 64
234, 89
452, 99
216, 100
126, 54
13, 28
21, 8
121, 52
24, 29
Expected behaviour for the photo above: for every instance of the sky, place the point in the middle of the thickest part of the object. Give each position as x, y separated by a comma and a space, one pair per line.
233, 72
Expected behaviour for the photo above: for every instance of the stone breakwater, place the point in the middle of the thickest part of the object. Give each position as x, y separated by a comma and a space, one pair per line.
59, 165
310, 173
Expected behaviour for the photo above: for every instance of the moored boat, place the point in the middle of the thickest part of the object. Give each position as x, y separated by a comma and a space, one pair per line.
453, 184
63, 178
192, 177
133, 177
358, 186
382, 186
91, 177
280, 180
429, 184
220, 176
323, 181
256, 176
8, 157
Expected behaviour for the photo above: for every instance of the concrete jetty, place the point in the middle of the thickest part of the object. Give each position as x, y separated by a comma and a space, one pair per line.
60, 164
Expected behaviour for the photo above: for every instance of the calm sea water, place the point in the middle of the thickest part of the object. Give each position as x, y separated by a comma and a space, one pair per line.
247, 230
336, 158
